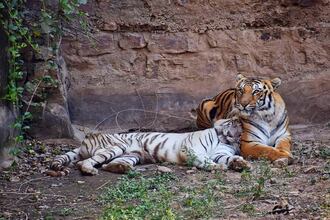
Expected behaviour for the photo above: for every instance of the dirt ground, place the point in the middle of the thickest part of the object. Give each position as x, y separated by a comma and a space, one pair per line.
299, 191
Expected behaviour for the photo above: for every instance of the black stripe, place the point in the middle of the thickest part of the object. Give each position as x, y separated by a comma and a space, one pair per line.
154, 137
112, 153
104, 157
224, 98
251, 132
69, 159
216, 159
246, 141
213, 113
155, 153
211, 138
280, 136
130, 159
279, 124
95, 160
256, 126
203, 145
227, 160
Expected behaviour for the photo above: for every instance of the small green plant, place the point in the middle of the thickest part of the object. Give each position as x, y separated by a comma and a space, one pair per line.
133, 174
288, 172
325, 152
201, 201
191, 158
254, 183
248, 208
139, 198
162, 197
49, 217
66, 211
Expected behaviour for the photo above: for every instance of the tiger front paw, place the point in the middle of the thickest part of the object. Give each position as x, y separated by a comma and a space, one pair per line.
283, 154
117, 167
87, 168
237, 163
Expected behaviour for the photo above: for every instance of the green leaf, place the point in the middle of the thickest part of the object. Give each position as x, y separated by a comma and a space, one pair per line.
26, 127
12, 27
12, 38
17, 125
2, 5
27, 115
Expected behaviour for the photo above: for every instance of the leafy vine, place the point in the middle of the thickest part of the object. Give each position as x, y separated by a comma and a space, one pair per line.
24, 34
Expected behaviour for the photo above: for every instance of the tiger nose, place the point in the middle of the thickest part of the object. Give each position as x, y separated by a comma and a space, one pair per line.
244, 104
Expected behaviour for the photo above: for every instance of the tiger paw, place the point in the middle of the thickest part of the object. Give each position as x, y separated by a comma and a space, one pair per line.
87, 168
285, 155
221, 167
238, 164
117, 167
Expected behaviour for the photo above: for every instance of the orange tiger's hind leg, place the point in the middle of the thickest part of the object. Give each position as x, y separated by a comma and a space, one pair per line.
256, 150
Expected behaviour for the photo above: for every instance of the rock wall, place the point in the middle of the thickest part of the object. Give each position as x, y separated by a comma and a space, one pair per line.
148, 63
7, 112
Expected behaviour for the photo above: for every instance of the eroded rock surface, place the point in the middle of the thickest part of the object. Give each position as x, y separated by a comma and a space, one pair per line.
166, 56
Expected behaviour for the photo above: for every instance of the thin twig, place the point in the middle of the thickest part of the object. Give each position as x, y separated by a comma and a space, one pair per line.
156, 112
104, 184
26, 182
33, 94
142, 103
141, 110
35, 193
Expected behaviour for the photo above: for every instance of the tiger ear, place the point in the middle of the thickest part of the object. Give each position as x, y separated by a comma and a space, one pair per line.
240, 77
276, 82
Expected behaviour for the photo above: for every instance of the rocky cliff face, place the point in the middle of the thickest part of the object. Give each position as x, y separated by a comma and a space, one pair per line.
150, 62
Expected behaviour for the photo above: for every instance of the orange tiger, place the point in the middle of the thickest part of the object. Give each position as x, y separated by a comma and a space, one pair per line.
262, 112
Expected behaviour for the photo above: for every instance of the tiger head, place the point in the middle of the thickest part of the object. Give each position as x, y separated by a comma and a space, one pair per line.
229, 130
254, 94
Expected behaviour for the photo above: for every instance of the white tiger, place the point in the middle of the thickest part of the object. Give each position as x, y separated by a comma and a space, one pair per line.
210, 149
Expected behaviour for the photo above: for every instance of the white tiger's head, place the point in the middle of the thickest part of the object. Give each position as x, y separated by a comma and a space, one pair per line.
229, 130
254, 94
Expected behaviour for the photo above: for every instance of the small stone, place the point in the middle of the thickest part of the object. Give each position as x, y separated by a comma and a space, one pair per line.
272, 181
131, 40
7, 214
80, 182
44, 207
110, 26
294, 193
56, 185
14, 179
190, 171
312, 169
163, 169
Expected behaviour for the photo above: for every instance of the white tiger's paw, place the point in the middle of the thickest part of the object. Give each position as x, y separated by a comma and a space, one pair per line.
117, 167
237, 163
221, 167
87, 168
